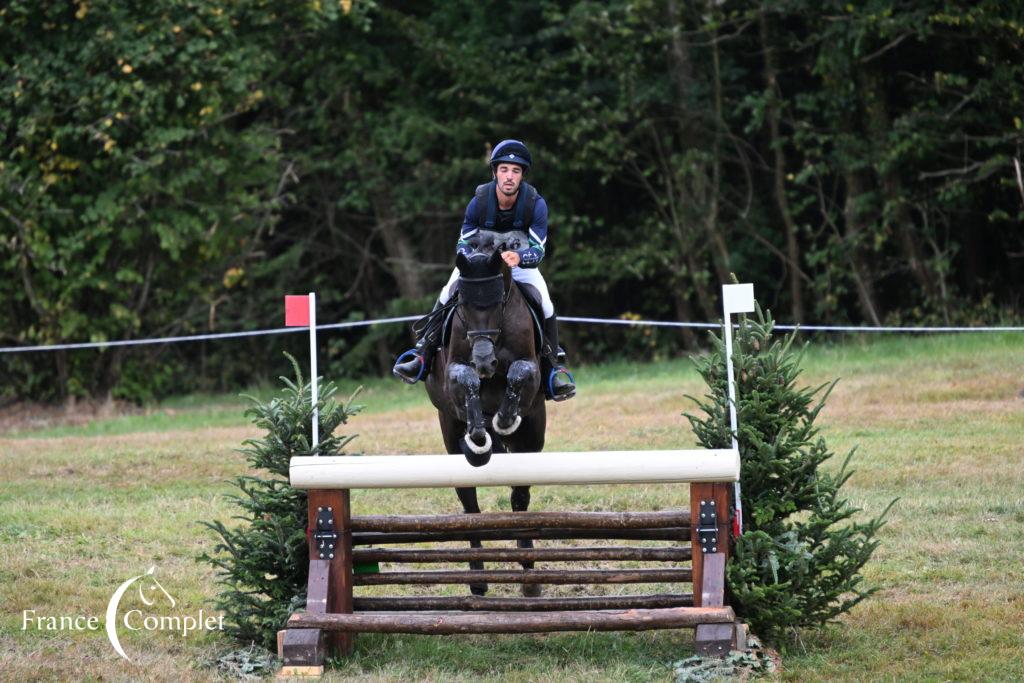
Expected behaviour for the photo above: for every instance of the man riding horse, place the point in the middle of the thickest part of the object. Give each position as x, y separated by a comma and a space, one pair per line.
517, 215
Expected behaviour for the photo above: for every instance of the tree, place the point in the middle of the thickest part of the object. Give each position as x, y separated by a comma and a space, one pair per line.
799, 560
129, 182
262, 564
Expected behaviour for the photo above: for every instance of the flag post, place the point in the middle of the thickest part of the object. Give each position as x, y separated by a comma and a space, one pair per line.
735, 299
313, 370
300, 311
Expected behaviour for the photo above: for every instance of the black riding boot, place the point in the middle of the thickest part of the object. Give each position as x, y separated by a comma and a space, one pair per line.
561, 385
418, 367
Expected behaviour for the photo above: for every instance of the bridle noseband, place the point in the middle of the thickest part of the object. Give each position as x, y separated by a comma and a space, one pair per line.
492, 335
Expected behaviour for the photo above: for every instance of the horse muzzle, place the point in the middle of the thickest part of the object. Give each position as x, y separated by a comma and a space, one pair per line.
483, 359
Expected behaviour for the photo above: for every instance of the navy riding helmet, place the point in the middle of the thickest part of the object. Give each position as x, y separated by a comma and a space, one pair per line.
511, 152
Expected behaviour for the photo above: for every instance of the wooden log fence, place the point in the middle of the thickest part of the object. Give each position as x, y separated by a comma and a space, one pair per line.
340, 541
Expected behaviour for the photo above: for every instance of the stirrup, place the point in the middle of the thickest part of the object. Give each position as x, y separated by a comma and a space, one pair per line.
401, 359
551, 384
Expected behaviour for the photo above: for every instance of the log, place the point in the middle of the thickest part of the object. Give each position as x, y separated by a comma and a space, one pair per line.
619, 553
476, 603
553, 576
506, 622
381, 538
520, 520
515, 469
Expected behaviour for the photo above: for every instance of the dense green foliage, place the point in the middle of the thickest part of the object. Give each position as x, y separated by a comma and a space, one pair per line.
799, 561
177, 166
262, 563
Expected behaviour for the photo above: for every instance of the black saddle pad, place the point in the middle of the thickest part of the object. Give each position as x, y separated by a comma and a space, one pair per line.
533, 301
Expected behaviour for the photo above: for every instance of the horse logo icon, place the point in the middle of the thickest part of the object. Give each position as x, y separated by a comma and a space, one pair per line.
150, 586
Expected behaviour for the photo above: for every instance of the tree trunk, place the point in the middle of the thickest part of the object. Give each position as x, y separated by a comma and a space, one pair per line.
896, 215
711, 224
685, 314
855, 225
779, 153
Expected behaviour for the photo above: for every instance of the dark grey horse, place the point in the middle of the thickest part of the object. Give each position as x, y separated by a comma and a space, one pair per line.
485, 383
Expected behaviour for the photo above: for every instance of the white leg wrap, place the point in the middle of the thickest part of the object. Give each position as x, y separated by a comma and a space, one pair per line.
479, 450
506, 432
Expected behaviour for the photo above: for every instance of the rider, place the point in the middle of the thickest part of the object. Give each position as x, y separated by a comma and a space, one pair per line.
505, 205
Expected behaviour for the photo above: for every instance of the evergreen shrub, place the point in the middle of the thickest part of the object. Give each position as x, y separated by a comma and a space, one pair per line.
263, 562
799, 561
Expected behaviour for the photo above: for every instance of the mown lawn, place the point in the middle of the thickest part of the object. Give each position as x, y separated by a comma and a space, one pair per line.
937, 422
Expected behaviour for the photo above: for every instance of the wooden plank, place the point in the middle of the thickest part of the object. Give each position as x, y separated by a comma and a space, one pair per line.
712, 592
566, 554
379, 538
317, 586
713, 639
506, 622
483, 604
520, 520
531, 576
300, 672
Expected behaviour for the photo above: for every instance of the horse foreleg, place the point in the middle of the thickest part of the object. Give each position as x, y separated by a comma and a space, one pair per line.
465, 390
470, 506
520, 503
523, 376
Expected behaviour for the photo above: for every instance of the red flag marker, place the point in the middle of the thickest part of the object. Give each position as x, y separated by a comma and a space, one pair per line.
296, 310
300, 311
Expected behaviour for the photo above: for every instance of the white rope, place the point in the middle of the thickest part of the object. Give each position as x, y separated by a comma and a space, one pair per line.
411, 318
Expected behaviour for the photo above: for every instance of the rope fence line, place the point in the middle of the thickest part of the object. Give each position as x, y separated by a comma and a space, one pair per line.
567, 319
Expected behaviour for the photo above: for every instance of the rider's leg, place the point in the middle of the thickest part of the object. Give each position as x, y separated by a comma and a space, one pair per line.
422, 355
561, 383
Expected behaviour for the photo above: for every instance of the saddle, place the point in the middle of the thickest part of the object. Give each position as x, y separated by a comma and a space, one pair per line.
533, 303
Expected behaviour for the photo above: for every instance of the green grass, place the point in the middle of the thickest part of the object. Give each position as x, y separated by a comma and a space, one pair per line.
936, 420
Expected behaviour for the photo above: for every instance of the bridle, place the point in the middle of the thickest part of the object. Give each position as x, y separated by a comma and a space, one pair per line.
492, 335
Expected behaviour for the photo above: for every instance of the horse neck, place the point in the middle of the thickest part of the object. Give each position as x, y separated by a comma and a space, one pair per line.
517, 320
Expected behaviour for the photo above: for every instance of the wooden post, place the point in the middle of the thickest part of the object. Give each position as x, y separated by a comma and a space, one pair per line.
329, 589
709, 558
719, 495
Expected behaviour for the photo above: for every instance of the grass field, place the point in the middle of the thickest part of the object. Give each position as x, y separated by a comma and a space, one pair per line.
938, 423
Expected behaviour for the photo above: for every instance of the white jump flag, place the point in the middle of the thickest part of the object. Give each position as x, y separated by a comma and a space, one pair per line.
300, 311
735, 299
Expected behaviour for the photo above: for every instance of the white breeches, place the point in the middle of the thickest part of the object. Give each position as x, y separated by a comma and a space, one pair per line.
530, 276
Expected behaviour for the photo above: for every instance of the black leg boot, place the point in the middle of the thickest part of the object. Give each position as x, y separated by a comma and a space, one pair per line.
422, 355
561, 385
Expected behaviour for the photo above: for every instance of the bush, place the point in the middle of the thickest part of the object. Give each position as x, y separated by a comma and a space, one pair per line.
799, 559
263, 562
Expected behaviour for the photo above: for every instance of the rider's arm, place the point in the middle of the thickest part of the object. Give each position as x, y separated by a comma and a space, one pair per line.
469, 228
534, 254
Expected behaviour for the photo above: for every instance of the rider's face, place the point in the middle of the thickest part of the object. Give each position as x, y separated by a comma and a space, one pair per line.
508, 177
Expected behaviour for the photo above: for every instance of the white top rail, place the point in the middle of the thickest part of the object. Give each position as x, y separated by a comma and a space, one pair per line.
516, 469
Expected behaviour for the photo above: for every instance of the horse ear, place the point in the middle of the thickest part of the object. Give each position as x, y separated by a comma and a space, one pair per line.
461, 261
494, 264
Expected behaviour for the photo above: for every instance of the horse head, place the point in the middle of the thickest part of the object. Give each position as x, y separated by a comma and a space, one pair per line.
483, 283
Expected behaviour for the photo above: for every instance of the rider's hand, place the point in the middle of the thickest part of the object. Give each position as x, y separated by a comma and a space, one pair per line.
511, 258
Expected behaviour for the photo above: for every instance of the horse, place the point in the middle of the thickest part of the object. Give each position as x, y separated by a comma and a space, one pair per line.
485, 382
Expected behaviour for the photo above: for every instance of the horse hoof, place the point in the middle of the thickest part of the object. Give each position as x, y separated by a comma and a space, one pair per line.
478, 588
478, 460
531, 590
509, 430
477, 456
